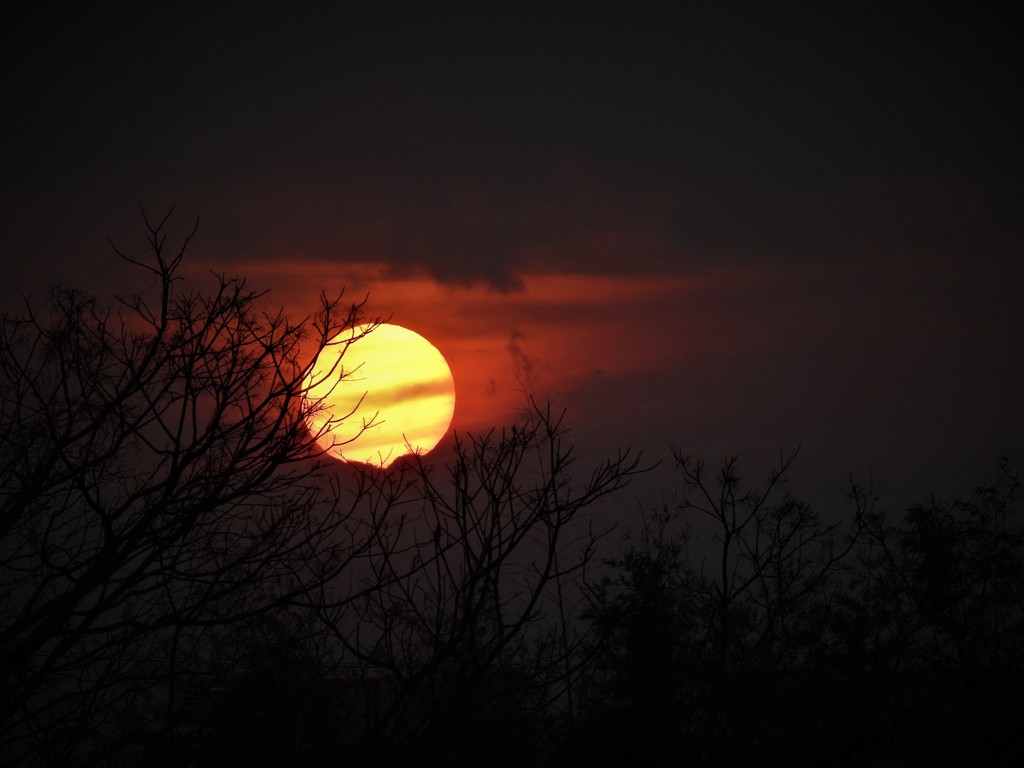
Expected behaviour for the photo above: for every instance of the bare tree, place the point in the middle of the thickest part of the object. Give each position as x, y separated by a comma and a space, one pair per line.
772, 556
156, 476
470, 616
167, 523
762, 592
712, 619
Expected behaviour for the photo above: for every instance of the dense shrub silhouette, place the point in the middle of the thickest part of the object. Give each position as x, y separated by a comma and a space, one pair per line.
878, 642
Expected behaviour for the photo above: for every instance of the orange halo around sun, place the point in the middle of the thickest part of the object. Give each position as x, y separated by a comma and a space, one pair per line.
380, 393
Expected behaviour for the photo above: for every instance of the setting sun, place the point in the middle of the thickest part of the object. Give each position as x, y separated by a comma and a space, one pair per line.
384, 392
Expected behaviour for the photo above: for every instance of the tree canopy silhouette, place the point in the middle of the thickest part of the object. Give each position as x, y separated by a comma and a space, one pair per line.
740, 627
168, 525
155, 470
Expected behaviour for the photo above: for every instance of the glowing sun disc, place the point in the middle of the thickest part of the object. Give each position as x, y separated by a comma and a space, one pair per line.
382, 392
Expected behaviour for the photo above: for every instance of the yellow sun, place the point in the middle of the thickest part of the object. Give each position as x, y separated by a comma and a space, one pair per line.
382, 392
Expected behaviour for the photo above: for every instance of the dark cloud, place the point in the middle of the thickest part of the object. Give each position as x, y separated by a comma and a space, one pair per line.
384, 396
522, 365
465, 140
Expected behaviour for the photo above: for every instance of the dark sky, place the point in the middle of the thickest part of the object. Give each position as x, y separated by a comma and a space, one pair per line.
735, 229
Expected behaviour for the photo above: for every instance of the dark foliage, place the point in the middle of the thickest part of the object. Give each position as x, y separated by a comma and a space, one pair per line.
793, 642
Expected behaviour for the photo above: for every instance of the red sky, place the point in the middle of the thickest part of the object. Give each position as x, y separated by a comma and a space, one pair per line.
734, 231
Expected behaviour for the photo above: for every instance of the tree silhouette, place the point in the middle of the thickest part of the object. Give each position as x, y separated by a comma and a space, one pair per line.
641, 665
156, 478
177, 561
944, 600
713, 628
466, 603
766, 634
